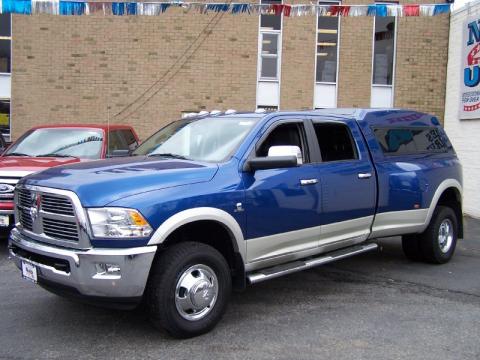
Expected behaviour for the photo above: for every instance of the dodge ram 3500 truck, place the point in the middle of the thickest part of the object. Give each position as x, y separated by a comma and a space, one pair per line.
216, 202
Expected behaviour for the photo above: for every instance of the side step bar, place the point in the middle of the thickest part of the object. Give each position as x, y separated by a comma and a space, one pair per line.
299, 265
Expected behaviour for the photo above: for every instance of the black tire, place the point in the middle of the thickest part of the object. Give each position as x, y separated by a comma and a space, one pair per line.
411, 247
167, 270
429, 239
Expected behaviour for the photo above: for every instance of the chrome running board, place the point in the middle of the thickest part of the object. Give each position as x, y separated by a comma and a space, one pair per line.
299, 265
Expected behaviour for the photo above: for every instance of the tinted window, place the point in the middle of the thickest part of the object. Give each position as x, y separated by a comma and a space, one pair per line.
335, 141
121, 140
285, 134
398, 141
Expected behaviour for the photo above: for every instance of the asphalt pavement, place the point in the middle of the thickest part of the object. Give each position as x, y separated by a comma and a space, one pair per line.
374, 306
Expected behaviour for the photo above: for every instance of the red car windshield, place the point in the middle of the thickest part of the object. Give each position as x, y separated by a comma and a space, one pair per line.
59, 142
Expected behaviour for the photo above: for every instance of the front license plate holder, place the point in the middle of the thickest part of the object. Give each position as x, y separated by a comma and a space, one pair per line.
29, 271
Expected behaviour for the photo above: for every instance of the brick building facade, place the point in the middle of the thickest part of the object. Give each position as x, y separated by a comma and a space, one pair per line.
146, 71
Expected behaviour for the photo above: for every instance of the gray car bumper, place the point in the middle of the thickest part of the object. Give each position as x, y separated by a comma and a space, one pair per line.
60, 268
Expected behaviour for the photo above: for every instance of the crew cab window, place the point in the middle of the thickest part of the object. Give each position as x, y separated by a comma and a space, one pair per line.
285, 134
335, 141
408, 141
121, 140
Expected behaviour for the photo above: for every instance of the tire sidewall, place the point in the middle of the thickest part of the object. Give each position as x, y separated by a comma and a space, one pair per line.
186, 328
442, 214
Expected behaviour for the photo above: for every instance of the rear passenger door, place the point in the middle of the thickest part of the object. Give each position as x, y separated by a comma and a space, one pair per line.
347, 179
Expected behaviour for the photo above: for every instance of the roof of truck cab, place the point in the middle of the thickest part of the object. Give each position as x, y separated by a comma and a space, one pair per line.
89, 126
369, 116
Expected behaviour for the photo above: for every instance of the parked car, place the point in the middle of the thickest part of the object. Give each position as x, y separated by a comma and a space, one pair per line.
215, 202
45, 146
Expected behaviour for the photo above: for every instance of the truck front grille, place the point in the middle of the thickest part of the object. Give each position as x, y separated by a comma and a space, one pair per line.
57, 205
47, 215
58, 229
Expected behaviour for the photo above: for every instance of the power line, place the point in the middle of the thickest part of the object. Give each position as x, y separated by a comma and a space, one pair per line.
183, 59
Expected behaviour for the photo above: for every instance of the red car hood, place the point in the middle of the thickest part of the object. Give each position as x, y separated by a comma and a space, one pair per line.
23, 165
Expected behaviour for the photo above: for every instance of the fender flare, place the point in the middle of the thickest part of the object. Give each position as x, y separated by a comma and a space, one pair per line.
198, 214
444, 185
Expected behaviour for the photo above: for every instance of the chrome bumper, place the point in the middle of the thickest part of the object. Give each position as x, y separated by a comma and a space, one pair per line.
83, 274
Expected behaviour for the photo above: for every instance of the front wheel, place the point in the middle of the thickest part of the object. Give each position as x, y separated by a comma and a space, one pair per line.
439, 240
188, 289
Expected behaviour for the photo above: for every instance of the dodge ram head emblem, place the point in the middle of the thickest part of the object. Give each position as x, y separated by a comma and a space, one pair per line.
35, 208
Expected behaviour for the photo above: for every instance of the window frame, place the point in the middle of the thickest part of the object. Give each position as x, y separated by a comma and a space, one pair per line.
410, 128
8, 38
304, 138
394, 64
353, 142
278, 56
332, 2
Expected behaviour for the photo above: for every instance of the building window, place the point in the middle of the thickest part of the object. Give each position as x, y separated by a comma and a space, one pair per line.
5, 43
270, 31
327, 47
384, 50
5, 117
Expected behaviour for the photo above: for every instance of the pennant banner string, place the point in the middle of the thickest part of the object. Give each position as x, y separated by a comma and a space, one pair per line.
152, 8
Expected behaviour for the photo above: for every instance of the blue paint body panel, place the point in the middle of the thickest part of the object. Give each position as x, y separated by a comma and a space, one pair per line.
274, 201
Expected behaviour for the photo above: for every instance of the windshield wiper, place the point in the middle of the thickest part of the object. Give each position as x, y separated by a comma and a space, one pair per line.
170, 155
56, 155
16, 154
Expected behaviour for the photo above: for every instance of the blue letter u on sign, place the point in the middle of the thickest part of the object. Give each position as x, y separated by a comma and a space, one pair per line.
471, 80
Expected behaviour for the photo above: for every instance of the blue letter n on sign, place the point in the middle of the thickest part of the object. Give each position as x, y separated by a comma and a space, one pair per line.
473, 33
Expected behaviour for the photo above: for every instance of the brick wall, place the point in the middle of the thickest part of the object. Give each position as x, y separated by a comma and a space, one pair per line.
72, 69
146, 70
464, 134
421, 64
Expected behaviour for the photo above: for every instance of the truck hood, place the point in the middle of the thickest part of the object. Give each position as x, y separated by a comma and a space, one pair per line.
98, 183
22, 165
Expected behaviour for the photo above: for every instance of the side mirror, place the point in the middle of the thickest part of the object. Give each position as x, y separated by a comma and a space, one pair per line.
118, 153
278, 157
286, 150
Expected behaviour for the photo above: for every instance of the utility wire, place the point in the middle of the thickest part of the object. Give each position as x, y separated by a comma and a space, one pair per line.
185, 57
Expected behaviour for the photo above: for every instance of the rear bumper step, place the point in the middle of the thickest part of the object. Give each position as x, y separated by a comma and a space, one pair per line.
299, 265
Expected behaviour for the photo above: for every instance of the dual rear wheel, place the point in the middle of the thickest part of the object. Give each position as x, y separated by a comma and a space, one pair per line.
437, 243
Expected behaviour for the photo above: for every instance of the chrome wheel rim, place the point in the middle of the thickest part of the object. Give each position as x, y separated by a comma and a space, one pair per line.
196, 292
445, 235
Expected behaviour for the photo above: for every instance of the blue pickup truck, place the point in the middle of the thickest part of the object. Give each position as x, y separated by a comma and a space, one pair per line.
215, 202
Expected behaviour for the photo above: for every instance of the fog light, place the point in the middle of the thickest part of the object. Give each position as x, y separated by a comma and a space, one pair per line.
107, 269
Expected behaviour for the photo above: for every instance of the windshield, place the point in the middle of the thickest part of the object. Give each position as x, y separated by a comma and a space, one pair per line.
206, 139
60, 142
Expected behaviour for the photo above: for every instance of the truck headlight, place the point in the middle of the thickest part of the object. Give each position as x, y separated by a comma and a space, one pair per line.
113, 222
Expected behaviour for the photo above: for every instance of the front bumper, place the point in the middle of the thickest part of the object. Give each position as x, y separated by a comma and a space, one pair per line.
77, 270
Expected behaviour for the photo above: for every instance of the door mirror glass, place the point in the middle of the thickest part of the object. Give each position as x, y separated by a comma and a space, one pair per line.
286, 150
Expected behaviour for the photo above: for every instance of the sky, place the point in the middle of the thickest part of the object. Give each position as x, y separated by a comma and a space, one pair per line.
459, 3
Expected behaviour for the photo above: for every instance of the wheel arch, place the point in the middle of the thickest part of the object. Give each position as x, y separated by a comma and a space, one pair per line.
186, 224
448, 193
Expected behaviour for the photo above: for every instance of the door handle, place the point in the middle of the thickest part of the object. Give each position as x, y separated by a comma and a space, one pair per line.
364, 175
308, 181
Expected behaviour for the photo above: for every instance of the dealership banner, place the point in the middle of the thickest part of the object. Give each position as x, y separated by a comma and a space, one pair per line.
154, 8
470, 71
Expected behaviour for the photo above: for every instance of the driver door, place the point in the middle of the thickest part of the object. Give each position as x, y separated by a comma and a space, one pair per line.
282, 205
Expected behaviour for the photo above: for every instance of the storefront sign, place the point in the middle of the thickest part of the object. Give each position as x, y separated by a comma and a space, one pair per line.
470, 85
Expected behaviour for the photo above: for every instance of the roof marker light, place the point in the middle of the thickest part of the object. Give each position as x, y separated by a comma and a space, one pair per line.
230, 112
215, 112
260, 111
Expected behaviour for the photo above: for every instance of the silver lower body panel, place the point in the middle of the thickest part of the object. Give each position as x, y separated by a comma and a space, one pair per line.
83, 274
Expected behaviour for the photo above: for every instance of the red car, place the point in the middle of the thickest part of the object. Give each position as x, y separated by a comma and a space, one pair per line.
51, 145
